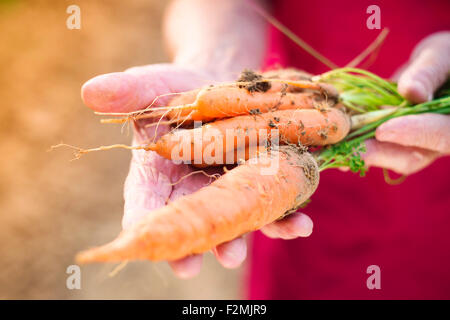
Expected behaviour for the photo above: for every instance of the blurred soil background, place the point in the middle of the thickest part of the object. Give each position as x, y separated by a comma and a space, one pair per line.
50, 208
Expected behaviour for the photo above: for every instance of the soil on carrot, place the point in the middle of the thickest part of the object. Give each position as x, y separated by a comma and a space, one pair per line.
309, 165
272, 125
323, 134
254, 81
255, 111
311, 172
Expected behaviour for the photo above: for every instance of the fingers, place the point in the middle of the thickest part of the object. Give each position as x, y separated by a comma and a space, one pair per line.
136, 88
427, 131
231, 254
147, 187
401, 159
114, 92
295, 225
187, 267
427, 70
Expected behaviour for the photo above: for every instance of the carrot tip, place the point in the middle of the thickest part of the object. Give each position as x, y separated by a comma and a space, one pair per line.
106, 253
118, 250
151, 147
85, 257
109, 121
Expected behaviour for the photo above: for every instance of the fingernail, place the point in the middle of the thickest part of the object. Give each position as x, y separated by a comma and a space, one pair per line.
417, 156
305, 226
384, 135
109, 92
235, 253
187, 267
415, 91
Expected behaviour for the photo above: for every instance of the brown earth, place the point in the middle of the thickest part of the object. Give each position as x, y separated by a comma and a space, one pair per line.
51, 208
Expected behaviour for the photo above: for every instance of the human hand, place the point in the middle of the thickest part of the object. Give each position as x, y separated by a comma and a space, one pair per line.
152, 180
410, 143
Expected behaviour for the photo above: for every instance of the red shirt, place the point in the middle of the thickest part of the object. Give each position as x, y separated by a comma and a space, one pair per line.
358, 222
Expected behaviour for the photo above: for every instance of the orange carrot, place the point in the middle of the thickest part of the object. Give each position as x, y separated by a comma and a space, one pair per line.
223, 102
309, 127
242, 200
186, 114
287, 73
251, 94
233, 156
283, 74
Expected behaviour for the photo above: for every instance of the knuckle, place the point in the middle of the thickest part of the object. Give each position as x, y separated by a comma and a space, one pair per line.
416, 161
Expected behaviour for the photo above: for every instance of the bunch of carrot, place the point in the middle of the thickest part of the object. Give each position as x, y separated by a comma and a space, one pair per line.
333, 113
241, 116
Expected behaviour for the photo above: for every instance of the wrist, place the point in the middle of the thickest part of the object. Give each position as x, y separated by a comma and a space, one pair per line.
223, 63
218, 37
210, 63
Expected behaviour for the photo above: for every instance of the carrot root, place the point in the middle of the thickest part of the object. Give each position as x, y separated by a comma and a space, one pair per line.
242, 200
307, 127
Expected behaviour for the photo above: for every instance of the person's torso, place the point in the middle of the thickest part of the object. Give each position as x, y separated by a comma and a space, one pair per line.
359, 222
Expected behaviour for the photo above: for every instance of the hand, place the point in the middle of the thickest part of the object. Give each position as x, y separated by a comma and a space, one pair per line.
153, 180
409, 144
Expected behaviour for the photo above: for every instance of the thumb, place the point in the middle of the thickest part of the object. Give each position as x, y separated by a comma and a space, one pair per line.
138, 87
428, 69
